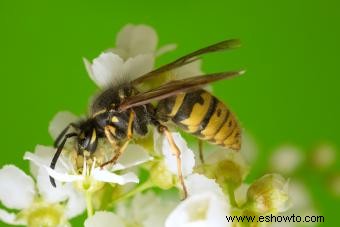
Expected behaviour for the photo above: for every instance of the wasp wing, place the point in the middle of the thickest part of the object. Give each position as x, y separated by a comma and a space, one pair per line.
224, 45
175, 87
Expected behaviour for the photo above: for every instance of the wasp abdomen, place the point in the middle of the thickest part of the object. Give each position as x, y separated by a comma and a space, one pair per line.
202, 115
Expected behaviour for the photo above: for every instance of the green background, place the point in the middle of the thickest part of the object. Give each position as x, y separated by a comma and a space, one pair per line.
290, 50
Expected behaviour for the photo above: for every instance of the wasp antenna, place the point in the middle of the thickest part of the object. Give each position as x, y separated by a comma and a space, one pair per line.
227, 44
242, 71
62, 134
57, 154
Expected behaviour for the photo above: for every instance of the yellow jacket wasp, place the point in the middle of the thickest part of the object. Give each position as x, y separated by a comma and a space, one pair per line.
121, 111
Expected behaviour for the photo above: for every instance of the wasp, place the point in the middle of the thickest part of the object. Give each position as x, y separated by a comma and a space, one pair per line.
122, 111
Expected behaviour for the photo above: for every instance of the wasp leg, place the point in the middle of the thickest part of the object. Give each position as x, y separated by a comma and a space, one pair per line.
175, 151
108, 133
130, 125
200, 150
113, 141
117, 154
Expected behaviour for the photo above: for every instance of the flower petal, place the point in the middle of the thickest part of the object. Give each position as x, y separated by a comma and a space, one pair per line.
223, 159
200, 210
42, 156
49, 193
88, 67
62, 192
241, 194
104, 219
136, 39
197, 184
17, 188
157, 142
63, 177
150, 210
107, 176
10, 218
133, 155
189, 70
299, 196
60, 121
187, 155
107, 69
38, 158
137, 66
165, 49
76, 202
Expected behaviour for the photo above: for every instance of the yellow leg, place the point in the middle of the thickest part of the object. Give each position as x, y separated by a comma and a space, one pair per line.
113, 141
130, 126
175, 151
117, 154
109, 132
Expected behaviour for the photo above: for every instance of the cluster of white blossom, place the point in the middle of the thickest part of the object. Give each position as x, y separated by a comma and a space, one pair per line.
290, 161
125, 194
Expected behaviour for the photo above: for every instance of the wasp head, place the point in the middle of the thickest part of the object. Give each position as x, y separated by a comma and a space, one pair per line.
87, 138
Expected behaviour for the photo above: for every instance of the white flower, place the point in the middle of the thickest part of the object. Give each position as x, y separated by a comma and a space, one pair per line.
36, 207
66, 171
206, 205
324, 156
133, 56
104, 219
110, 69
285, 160
145, 210
43, 156
229, 168
134, 40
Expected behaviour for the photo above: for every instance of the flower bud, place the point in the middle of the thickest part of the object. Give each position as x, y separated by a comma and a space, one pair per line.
161, 176
323, 157
286, 160
334, 184
269, 194
228, 168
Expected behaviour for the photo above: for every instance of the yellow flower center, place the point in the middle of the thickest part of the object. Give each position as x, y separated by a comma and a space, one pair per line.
45, 215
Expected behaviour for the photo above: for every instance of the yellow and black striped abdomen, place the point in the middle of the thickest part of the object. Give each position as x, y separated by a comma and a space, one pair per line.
202, 115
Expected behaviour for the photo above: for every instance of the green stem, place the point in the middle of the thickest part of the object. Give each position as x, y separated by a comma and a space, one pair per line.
89, 204
142, 187
231, 194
